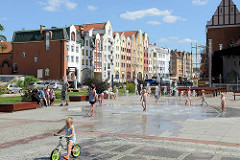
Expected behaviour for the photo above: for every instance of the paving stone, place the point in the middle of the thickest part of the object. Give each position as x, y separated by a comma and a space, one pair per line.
198, 156
160, 152
123, 148
131, 158
229, 158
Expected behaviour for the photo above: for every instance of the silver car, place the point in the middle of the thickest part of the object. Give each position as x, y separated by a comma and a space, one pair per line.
39, 84
56, 85
12, 88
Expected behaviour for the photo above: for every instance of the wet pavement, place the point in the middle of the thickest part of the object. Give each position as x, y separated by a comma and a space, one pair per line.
121, 130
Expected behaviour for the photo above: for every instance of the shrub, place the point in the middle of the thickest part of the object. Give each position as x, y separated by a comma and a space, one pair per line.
100, 85
29, 79
20, 83
130, 87
26, 96
2, 89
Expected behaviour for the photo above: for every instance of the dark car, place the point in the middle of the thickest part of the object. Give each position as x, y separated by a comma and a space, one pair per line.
151, 82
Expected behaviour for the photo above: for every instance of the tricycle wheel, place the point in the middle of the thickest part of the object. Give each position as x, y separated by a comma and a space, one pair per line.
55, 155
76, 150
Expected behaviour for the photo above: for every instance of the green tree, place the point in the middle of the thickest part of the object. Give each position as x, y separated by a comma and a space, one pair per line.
3, 46
2, 37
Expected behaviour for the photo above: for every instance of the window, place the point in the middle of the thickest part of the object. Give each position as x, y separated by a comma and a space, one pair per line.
86, 42
47, 72
232, 10
86, 62
47, 41
15, 68
67, 58
83, 52
82, 61
72, 58
86, 52
77, 59
67, 47
73, 36
35, 59
72, 48
77, 49
24, 54
90, 53
108, 65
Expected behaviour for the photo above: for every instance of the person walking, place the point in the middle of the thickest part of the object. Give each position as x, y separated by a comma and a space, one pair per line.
92, 100
47, 91
65, 87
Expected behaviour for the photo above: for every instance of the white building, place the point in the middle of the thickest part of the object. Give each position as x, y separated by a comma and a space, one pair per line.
158, 62
117, 61
74, 55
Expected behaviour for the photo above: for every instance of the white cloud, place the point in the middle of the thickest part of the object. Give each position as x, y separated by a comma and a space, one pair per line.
199, 2
174, 39
153, 22
144, 13
54, 5
172, 19
92, 8
3, 18
164, 40
186, 40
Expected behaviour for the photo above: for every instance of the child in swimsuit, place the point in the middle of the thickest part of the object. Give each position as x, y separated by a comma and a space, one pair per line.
188, 100
144, 99
204, 98
223, 103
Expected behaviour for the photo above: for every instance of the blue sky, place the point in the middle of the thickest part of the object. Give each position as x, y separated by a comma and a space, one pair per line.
169, 23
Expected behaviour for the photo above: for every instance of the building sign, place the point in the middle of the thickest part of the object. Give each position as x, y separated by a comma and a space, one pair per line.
195, 82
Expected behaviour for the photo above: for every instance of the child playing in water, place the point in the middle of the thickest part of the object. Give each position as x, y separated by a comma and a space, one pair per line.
70, 135
204, 98
223, 103
189, 93
144, 95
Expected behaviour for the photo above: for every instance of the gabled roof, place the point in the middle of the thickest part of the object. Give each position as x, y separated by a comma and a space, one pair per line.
35, 35
9, 47
88, 27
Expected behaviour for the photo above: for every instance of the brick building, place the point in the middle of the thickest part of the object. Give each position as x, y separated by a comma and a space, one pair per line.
180, 65
223, 30
44, 53
5, 59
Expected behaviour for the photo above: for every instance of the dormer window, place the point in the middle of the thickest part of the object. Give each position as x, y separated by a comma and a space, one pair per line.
73, 36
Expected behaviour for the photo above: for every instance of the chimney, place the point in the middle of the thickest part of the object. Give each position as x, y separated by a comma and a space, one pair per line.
53, 27
155, 44
41, 28
81, 29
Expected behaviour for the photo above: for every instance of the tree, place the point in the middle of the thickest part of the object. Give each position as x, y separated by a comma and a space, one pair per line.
3, 46
2, 37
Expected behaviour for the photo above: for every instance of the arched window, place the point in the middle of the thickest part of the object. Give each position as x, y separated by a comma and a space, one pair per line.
47, 41
73, 36
47, 72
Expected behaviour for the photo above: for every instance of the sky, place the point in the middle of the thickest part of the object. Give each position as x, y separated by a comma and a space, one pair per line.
171, 24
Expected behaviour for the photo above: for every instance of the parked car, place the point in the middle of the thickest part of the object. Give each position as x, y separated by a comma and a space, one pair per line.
12, 88
56, 85
38, 84
151, 82
46, 84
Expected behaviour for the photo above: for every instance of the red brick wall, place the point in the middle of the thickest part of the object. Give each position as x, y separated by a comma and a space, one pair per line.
5, 57
53, 59
223, 36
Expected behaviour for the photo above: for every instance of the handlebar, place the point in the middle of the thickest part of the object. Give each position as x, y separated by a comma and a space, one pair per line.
60, 136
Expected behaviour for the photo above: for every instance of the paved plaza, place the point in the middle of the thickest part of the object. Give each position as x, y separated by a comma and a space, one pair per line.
120, 130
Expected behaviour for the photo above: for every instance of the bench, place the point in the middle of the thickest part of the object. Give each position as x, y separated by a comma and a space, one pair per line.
11, 107
236, 93
78, 98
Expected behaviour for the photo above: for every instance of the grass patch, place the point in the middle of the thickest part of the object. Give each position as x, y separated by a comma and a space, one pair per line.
14, 99
121, 92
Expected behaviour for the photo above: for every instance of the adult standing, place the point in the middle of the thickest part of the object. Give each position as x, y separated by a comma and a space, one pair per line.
157, 93
92, 100
65, 87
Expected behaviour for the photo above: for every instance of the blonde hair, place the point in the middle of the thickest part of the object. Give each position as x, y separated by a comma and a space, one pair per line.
222, 94
69, 120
